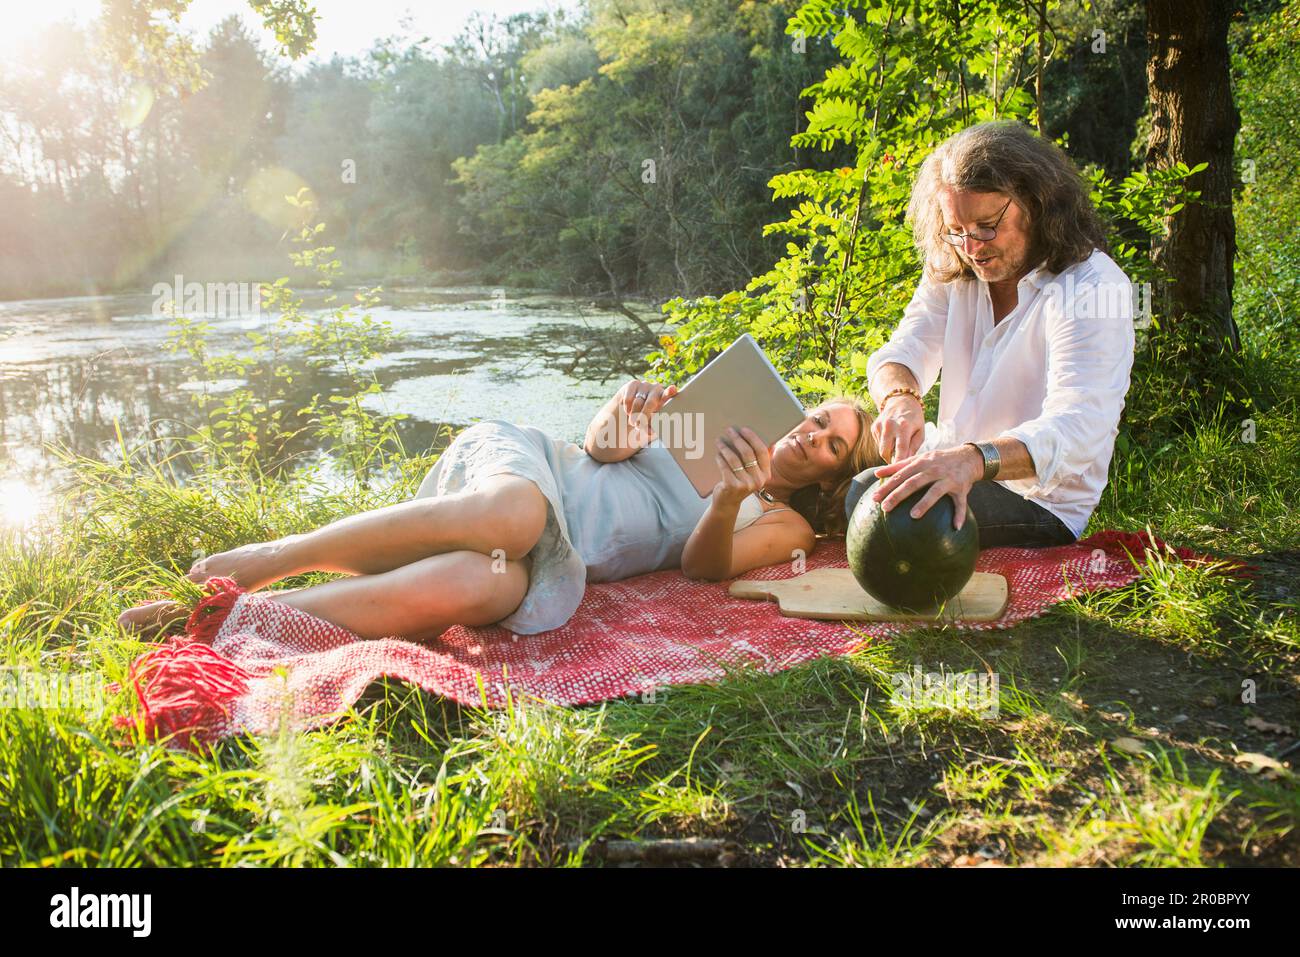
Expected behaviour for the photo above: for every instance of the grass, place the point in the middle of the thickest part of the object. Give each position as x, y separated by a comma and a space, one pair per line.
1122, 731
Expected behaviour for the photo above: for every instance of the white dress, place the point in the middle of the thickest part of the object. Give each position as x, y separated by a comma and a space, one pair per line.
606, 522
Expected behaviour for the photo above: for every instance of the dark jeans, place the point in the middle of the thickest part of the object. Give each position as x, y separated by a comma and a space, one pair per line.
1007, 519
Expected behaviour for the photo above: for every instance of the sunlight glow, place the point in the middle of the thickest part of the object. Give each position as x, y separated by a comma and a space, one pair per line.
346, 27
266, 194
23, 22
20, 504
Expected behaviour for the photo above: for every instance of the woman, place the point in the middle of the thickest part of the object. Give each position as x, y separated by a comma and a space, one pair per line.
510, 524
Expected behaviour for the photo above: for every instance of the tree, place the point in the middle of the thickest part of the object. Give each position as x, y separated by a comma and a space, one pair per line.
644, 160
1194, 121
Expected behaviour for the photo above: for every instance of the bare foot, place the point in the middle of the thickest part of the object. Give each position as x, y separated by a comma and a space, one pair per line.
251, 566
153, 617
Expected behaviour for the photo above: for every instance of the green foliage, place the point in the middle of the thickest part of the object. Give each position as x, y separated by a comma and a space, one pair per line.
138, 35
292, 21
145, 37
1268, 248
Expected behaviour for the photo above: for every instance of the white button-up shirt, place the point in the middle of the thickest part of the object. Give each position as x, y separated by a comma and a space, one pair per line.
1053, 373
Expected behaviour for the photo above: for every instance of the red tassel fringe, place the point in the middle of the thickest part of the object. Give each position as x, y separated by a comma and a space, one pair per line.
211, 611
183, 685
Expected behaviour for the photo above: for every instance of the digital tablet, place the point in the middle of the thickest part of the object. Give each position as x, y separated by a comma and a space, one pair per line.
739, 387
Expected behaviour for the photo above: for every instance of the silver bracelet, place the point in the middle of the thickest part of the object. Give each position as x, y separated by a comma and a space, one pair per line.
992, 459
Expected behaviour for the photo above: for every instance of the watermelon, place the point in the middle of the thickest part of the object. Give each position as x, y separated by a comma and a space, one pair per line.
913, 564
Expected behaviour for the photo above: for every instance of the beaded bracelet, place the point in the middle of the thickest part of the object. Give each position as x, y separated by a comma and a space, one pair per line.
901, 390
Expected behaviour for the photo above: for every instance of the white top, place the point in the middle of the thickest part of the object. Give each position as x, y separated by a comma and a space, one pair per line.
751, 510
1053, 373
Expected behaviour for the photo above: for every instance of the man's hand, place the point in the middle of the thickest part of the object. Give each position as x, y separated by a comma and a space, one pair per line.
899, 430
952, 472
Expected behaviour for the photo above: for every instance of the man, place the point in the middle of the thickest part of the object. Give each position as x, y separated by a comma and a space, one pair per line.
1032, 325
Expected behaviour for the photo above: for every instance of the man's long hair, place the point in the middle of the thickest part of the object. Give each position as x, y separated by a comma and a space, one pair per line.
1005, 156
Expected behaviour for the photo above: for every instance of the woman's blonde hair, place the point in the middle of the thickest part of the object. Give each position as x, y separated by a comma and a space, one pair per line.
824, 510
1005, 156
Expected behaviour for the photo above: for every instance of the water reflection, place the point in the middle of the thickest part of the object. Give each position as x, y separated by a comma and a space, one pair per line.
72, 371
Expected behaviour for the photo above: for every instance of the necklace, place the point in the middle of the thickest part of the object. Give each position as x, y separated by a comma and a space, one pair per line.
767, 496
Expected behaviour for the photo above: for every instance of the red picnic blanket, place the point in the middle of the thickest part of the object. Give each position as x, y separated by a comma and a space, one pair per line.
247, 662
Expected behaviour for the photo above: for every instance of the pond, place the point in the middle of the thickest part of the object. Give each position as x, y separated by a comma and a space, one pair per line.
74, 370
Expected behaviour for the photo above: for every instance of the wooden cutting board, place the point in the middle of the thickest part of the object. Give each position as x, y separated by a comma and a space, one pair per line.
833, 593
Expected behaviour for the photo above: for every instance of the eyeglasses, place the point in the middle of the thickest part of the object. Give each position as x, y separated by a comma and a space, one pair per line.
982, 233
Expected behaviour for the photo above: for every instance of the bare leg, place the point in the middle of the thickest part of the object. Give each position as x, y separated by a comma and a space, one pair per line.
153, 618
421, 600
417, 601
505, 512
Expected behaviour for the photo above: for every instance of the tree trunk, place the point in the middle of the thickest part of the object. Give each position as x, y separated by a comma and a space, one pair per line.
1194, 120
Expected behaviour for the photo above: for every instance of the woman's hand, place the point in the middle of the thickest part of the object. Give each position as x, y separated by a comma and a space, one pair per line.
640, 400
745, 464
899, 429
710, 552
951, 470
622, 426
